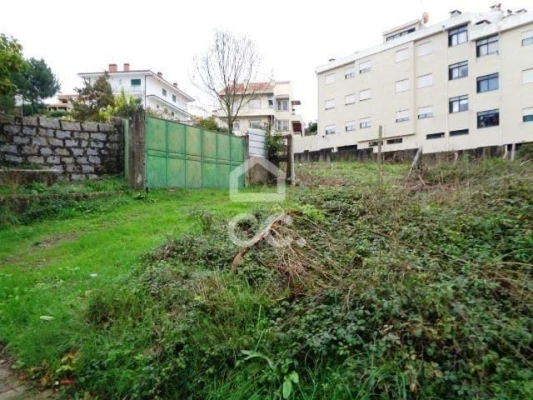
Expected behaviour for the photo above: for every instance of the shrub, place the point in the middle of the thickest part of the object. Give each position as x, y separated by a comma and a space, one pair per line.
391, 295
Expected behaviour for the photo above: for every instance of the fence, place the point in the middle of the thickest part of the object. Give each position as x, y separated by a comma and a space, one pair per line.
166, 154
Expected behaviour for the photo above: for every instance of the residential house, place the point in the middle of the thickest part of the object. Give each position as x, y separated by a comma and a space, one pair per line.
269, 106
157, 94
463, 83
61, 102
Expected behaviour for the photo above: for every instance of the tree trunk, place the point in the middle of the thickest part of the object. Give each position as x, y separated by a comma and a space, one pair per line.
230, 125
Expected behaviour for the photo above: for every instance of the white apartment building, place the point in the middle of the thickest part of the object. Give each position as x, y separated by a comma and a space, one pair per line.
463, 83
271, 107
157, 94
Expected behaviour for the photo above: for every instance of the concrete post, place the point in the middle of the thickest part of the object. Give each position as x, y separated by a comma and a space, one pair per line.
290, 159
137, 151
380, 155
247, 175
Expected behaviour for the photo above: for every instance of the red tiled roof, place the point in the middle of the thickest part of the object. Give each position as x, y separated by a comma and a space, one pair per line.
253, 87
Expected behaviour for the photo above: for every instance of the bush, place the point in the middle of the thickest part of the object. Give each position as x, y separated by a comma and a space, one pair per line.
525, 152
392, 294
57, 114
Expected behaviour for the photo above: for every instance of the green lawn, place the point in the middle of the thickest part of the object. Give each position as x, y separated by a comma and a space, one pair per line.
48, 268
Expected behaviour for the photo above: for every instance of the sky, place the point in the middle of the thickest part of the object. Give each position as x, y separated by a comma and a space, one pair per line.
294, 36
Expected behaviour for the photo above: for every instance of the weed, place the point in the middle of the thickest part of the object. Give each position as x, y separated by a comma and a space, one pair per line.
394, 293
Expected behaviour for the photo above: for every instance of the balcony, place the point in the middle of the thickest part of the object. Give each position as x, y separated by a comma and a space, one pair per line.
250, 112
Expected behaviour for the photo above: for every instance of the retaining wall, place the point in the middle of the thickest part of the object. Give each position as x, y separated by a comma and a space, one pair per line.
76, 150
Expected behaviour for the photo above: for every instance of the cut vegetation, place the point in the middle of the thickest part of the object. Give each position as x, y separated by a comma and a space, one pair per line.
420, 289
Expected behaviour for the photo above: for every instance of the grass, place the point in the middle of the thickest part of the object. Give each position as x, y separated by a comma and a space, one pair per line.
47, 269
348, 173
109, 184
418, 289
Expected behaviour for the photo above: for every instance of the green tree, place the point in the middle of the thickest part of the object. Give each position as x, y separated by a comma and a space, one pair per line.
92, 98
36, 82
7, 103
312, 128
210, 124
124, 107
11, 62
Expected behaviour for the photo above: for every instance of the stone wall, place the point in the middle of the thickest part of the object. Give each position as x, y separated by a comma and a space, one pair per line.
77, 150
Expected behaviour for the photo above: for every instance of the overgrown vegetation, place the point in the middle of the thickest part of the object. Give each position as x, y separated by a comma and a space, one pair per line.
409, 291
62, 200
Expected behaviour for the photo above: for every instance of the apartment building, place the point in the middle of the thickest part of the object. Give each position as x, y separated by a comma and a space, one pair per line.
271, 107
157, 94
463, 83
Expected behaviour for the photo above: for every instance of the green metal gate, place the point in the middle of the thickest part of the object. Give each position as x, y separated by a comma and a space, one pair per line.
182, 156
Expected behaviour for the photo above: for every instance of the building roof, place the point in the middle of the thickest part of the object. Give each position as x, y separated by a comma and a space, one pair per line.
137, 72
253, 87
499, 23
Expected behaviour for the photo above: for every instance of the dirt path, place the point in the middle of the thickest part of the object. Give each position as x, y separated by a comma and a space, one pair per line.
13, 389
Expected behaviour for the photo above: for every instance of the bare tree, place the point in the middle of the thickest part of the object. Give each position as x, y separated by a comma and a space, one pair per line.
230, 73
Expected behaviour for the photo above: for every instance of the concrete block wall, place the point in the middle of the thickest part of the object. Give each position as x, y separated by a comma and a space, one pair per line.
77, 150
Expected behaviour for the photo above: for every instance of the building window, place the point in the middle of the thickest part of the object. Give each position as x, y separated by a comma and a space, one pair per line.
282, 125
135, 82
486, 119
330, 129
400, 34
488, 83
402, 55
402, 116
256, 124
458, 36
349, 99
424, 49
374, 143
164, 92
174, 98
402, 86
365, 123
365, 67
236, 126
527, 76
425, 81
283, 105
365, 95
330, 104
330, 79
527, 38
270, 103
349, 73
457, 71
395, 141
458, 104
254, 103
487, 46
350, 126
432, 136
459, 132
527, 114
425, 112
